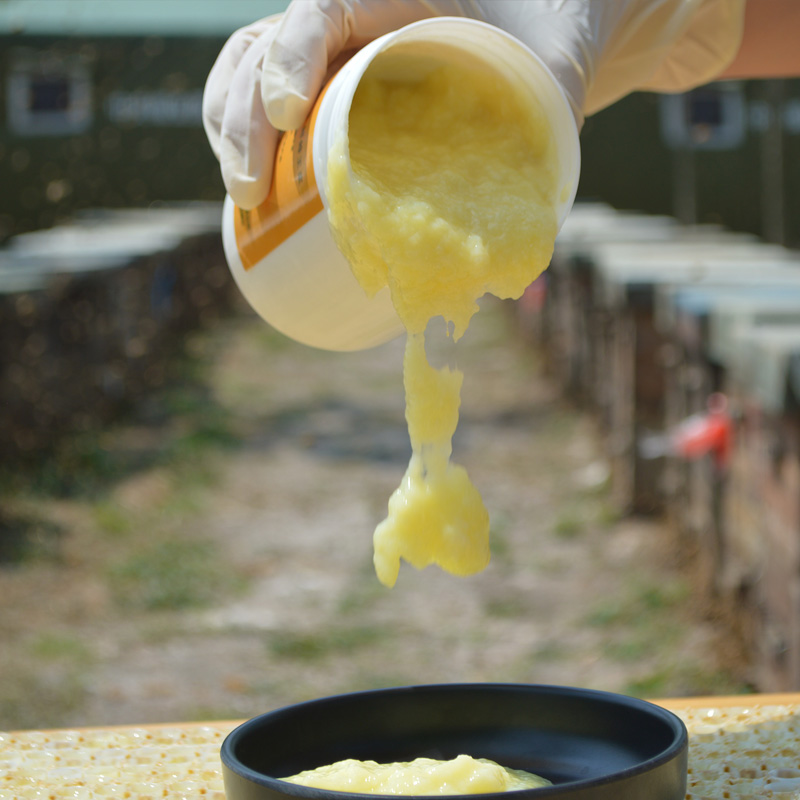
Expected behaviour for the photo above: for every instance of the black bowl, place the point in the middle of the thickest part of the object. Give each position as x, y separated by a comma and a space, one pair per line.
592, 745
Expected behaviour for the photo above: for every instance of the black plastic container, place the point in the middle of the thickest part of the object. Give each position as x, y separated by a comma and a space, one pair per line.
592, 745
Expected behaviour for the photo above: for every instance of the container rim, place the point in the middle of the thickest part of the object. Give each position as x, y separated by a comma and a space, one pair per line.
549, 92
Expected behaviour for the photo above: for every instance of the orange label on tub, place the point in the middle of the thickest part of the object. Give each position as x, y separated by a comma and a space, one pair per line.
292, 201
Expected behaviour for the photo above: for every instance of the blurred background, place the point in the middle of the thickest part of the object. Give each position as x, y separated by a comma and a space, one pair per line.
187, 498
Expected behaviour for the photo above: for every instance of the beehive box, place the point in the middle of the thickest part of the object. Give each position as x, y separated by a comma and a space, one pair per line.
763, 500
625, 282
695, 320
112, 294
574, 326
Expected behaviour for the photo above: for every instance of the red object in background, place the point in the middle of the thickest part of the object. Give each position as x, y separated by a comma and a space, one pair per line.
532, 300
709, 433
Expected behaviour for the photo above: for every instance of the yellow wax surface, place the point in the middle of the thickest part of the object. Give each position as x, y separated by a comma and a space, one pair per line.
450, 195
422, 776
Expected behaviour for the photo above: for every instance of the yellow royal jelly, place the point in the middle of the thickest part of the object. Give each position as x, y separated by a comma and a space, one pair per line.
422, 776
450, 193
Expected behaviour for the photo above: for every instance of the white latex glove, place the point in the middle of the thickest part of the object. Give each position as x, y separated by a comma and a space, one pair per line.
268, 75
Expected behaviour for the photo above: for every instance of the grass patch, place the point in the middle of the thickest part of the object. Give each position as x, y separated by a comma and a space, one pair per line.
44, 682
499, 544
655, 684
568, 525
25, 537
644, 623
364, 592
61, 647
650, 635
507, 607
550, 651
205, 425
629, 649
607, 515
172, 574
80, 466
316, 646
637, 604
112, 519
686, 680
30, 698
265, 337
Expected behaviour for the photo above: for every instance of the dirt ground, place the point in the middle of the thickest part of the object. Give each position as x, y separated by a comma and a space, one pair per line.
219, 565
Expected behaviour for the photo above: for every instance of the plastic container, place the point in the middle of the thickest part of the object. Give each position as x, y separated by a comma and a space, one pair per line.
283, 256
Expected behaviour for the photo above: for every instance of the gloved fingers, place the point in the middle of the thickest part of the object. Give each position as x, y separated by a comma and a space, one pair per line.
559, 33
247, 141
309, 36
295, 66
708, 44
215, 94
314, 32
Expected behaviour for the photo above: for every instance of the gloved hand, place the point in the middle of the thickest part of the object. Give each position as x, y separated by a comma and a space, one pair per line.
268, 75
